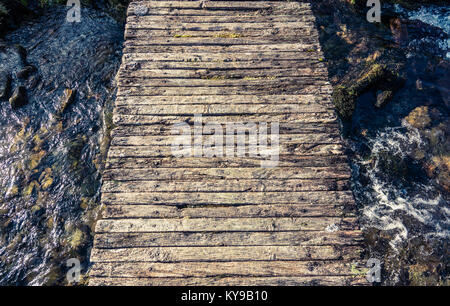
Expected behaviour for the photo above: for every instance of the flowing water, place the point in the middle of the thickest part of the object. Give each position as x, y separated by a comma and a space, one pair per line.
401, 162
51, 155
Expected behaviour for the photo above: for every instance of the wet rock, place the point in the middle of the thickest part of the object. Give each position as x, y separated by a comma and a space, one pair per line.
19, 97
5, 85
345, 101
383, 97
33, 81
376, 76
419, 117
25, 72
399, 31
22, 52
419, 84
77, 238
66, 100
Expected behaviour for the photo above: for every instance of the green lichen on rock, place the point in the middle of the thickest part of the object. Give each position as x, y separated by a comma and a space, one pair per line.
379, 78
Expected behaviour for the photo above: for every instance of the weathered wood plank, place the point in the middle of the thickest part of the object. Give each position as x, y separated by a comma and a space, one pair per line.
237, 269
318, 87
224, 74
285, 128
167, 62
209, 5
227, 185
200, 174
284, 139
270, 81
222, 254
321, 117
221, 58
244, 211
128, 240
268, 31
220, 109
221, 198
232, 281
249, 18
134, 47
227, 99
171, 155
132, 159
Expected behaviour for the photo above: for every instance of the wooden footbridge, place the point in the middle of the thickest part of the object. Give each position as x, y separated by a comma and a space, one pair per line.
225, 220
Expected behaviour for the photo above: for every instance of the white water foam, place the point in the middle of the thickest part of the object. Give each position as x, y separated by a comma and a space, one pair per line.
389, 204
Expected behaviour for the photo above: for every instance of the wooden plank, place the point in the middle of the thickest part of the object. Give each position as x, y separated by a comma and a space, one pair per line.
132, 159
285, 128
129, 240
232, 281
223, 254
236, 269
249, 18
227, 186
284, 139
223, 74
134, 47
227, 198
318, 87
171, 61
220, 109
263, 27
191, 84
227, 99
170, 120
248, 12
209, 5
168, 156
244, 211
200, 174
221, 58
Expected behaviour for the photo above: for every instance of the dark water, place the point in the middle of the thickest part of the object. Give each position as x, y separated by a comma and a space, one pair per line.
401, 165
50, 160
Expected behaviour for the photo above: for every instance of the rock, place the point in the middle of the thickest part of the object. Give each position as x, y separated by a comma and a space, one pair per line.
419, 84
376, 76
19, 97
345, 101
76, 238
383, 97
33, 81
25, 72
22, 52
419, 117
67, 99
5, 85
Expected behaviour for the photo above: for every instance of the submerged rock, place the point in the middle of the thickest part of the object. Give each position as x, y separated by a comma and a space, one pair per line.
25, 72
5, 84
419, 117
383, 97
19, 98
67, 99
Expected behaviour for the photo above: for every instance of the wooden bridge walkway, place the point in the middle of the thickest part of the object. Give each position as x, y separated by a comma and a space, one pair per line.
225, 220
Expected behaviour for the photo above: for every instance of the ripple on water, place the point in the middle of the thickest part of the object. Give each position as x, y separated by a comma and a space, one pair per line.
50, 159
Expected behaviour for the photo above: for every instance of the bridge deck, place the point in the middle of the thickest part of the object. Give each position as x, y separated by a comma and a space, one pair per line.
225, 220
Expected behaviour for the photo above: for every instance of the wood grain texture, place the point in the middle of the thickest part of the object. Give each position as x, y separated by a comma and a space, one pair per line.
225, 220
